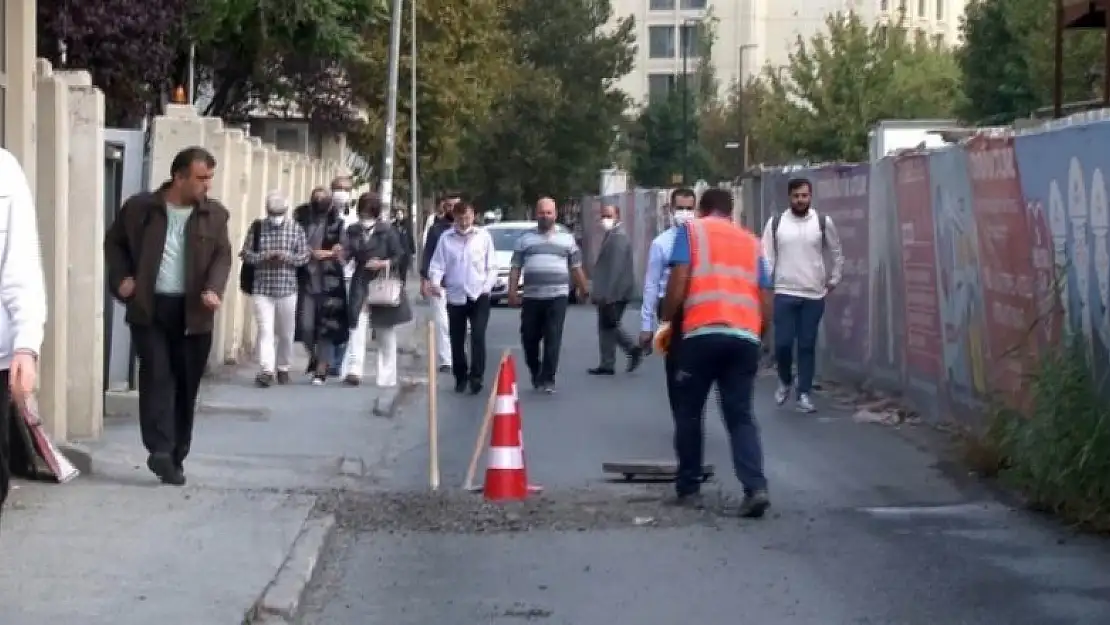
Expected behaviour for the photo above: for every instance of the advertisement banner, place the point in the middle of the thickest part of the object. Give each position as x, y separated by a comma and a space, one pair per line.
919, 269
1005, 265
841, 193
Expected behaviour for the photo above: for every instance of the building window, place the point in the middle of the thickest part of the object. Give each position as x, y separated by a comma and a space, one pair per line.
938, 40
661, 42
902, 6
691, 5
884, 34
661, 85
921, 8
884, 5
940, 10
661, 5
691, 40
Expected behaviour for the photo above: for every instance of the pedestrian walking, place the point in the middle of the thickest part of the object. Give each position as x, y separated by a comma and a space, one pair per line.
23, 306
274, 248
402, 223
613, 286
795, 243
378, 301
341, 200
544, 262
655, 283
465, 263
168, 256
322, 319
716, 275
438, 224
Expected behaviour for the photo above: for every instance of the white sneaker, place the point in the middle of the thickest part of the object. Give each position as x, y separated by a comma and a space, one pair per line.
318, 381
782, 393
805, 404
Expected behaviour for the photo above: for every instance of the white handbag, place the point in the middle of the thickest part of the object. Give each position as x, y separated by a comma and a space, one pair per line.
384, 290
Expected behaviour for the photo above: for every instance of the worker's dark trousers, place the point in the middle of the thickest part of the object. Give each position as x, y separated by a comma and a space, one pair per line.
731, 363
171, 363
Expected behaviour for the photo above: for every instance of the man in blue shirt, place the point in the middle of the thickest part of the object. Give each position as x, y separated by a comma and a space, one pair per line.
728, 356
658, 270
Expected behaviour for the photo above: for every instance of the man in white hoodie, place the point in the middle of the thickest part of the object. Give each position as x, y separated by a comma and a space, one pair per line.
22, 300
796, 244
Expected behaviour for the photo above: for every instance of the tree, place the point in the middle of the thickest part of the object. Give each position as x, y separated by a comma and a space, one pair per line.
657, 139
837, 85
1006, 61
461, 65
556, 118
130, 47
287, 57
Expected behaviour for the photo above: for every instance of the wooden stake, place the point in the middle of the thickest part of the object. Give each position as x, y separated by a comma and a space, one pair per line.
483, 432
433, 417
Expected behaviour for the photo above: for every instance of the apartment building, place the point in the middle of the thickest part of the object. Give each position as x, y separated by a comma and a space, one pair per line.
749, 34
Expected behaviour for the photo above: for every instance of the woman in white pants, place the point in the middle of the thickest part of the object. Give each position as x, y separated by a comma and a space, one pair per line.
274, 248
376, 249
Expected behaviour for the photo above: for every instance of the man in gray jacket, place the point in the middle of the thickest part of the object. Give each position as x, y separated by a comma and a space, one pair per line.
613, 286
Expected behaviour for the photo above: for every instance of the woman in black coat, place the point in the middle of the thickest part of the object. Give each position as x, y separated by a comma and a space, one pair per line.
378, 254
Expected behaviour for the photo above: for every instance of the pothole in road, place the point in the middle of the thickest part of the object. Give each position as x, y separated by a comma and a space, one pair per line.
458, 512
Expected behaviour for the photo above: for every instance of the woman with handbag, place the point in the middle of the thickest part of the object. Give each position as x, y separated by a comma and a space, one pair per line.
377, 298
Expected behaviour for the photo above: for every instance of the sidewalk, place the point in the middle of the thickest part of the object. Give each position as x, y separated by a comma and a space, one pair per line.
116, 548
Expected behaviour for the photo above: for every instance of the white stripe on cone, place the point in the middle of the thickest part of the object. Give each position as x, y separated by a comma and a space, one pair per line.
506, 458
504, 405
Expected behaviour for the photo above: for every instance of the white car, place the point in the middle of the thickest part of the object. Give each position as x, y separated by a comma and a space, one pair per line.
505, 234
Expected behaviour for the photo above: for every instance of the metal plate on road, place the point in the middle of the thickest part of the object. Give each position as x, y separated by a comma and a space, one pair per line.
649, 470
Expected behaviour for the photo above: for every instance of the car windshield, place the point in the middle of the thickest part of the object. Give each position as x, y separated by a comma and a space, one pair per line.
504, 239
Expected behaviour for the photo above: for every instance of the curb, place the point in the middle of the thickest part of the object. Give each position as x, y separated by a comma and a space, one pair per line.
281, 599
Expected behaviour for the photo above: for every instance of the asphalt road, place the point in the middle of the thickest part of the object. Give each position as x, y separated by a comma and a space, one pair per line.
864, 529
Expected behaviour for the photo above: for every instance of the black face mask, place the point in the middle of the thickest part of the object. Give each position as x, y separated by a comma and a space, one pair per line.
321, 206
546, 223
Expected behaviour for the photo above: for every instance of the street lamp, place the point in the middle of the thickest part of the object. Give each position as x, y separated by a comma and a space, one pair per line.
740, 109
685, 41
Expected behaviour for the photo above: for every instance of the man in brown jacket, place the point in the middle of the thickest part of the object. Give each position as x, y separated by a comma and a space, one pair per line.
168, 257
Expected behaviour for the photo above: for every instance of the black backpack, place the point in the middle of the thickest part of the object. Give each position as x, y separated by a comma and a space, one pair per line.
246, 271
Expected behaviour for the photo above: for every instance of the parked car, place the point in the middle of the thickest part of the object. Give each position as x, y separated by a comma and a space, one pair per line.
505, 234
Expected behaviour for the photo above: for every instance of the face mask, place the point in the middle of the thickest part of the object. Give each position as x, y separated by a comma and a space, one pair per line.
320, 206
608, 223
682, 216
277, 219
341, 197
546, 223
367, 222
462, 230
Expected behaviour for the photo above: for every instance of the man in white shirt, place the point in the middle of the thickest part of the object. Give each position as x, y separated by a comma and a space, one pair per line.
464, 262
22, 301
795, 244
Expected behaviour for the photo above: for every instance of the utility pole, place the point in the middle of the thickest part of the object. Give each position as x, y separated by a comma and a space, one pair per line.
414, 184
685, 104
390, 144
741, 96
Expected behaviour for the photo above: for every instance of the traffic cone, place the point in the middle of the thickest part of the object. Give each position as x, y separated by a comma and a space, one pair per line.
506, 477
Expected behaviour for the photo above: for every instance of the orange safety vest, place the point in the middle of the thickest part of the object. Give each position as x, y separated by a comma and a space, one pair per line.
724, 277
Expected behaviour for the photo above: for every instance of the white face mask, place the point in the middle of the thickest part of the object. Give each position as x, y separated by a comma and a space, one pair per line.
278, 219
368, 223
608, 223
341, 197
682, 216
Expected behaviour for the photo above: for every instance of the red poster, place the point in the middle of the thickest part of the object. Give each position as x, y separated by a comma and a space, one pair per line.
841, 195
1005, 264
919, 267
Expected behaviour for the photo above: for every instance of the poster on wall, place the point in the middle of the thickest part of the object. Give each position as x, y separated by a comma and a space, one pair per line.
841, 193
1005, 265
959, 287
886, 306
919, 269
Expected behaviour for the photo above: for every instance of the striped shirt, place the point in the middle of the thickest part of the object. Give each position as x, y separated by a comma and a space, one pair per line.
276, 279
545, 261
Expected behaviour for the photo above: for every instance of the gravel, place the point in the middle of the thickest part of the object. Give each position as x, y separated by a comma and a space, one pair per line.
457, 512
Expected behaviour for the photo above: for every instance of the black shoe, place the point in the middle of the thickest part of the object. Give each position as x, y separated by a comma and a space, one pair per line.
536, 383
264, 380
754, 505
460, 386
635, 359
283, 377
601, 371
693, 501
475, 387
164, 467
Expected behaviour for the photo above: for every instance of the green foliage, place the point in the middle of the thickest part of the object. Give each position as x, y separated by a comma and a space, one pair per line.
553, 122
657, 143
1007, 60
837, 85
1058, 455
